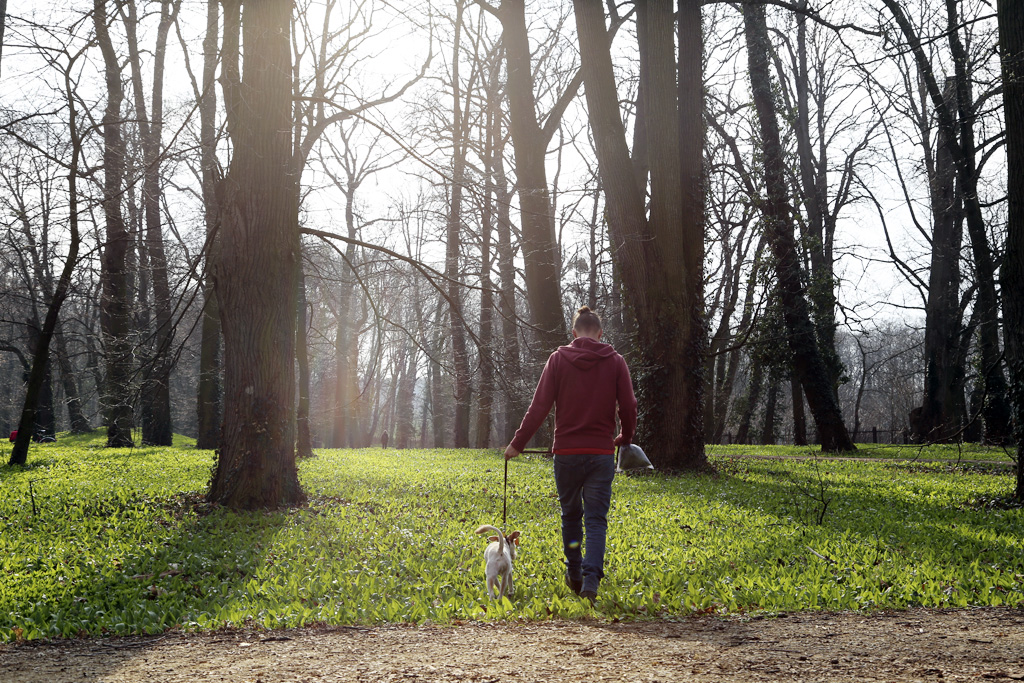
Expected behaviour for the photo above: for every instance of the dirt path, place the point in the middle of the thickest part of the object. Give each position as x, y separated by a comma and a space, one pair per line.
916, 645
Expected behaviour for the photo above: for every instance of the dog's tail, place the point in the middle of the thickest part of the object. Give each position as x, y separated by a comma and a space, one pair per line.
501, 537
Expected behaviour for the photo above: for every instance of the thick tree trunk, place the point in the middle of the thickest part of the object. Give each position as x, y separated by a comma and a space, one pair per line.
818, 240
1011, 42
540, 246
808, 364
157, 428
995, 408
208, 394
942, 409
660, 259
115, 319
255, 273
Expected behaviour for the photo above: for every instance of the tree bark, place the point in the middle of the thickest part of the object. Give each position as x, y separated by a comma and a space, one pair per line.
818, 242
157, 429
303, 438
404, 408
943, 406
37, 375
1011, 43
115, 319
456, 322
256, 272
808, 364
208, 394
659, 259
529, 142
72, 395
995, 407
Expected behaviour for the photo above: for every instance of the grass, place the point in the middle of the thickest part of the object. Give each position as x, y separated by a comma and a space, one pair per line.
958, 453
96, 541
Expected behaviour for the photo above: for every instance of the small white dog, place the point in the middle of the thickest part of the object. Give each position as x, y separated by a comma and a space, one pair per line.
500, 555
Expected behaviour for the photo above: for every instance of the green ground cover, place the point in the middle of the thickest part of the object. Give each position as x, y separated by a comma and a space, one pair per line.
956, 453
97, 541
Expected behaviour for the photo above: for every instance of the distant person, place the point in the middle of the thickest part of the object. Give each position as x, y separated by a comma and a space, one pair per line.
384, 439
585, 382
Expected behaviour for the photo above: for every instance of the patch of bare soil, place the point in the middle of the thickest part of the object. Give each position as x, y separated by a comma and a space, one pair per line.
915, 645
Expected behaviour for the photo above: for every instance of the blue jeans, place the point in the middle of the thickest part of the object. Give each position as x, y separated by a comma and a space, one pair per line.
584, 484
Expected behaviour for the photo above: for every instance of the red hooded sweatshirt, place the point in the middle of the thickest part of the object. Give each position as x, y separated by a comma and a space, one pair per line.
584, 381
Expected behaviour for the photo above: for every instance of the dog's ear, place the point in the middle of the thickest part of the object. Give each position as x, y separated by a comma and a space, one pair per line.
492, 538
513, 537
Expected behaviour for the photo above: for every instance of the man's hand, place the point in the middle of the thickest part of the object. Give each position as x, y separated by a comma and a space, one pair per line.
618, 440
510, 452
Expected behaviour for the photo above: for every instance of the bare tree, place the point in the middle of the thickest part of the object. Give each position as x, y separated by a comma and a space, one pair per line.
116, 316
41, 352
660, 256
808, 364
255, 272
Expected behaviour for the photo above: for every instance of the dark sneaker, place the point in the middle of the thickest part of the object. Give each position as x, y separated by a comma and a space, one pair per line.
575, 585
589, 596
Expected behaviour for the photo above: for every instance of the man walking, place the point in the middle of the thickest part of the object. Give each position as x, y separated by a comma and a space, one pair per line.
584, 381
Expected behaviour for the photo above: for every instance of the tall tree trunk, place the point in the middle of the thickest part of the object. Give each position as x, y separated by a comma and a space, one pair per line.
485, 401
72, 396
456, 321
660, 260
208, 394
1011, 42
344, 396
996, 406
808, 364
438, 407
515, 389
406, 393
116, 320
529, 142
303, 438
157, 429
255, 273
799, 417
45, 426
752, 397
942, 409
771, 405
37, 375
818, 240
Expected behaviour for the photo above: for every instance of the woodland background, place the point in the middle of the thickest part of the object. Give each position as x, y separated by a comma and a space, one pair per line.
446, 183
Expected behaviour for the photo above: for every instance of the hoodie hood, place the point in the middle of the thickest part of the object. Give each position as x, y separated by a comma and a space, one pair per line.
584, 352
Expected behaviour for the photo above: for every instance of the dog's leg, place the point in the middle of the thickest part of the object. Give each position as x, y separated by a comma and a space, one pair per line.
491, 581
